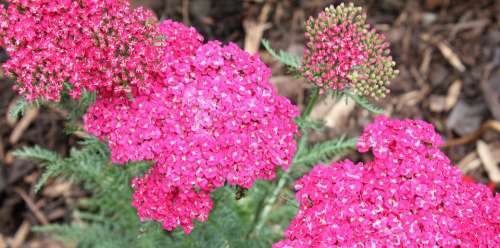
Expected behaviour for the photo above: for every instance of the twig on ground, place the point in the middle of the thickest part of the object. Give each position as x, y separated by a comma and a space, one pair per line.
28, 118
185, 12
21, 235
446, 50
32, 206
489, 161
453, 94
479, 24
489, 125
426, 62
469, 163
2, 242
255, 29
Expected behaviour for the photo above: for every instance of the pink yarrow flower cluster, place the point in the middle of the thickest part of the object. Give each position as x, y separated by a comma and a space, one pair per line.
214, 118
344, 52
88, 44
409, 195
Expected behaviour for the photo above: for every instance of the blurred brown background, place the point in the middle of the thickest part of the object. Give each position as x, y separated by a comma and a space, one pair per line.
448, 53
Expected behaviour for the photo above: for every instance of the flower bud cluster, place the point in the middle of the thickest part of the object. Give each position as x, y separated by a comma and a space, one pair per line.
344, 52
214, 118
86, 44
409, 195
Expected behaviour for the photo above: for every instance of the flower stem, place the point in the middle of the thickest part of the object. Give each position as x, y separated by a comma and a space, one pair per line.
269, 201
312, 102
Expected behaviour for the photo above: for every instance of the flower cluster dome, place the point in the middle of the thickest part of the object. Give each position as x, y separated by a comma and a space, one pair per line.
89, 45
409, 195
213, 118
344, 52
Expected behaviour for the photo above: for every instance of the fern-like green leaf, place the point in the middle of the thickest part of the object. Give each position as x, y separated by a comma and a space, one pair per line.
38, 154
286, 58
18, 108
326, 151
308, 124
47, 158
363, 102
75, 108
50, 172
21, 105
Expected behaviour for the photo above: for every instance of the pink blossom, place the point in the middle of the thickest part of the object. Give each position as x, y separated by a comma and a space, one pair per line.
214, 118
409, 195
89, 44
167, 202
343, 52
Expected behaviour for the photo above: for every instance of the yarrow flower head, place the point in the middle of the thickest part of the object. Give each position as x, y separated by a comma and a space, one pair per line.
344, 52
214, 118
88, 44
409, 195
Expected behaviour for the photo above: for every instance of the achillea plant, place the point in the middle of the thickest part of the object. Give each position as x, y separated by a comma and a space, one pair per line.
409, 195
213, 119
344, 52
197, 124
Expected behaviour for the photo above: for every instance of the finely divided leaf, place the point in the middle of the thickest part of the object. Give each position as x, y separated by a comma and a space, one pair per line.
326, 151
363, 102
284, 57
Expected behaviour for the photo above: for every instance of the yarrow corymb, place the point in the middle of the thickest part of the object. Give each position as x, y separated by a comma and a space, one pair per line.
87, 44
213, 118
409, 195
344, 52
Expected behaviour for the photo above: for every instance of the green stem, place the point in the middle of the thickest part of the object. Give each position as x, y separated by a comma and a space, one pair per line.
312, 102
268, 205
269, 201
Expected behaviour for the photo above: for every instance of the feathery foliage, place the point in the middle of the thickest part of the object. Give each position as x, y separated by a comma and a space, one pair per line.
363, 102
325, 152
18, 108
77, 108
21, 105
288, 59
308, 124
46, 158
38, 154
